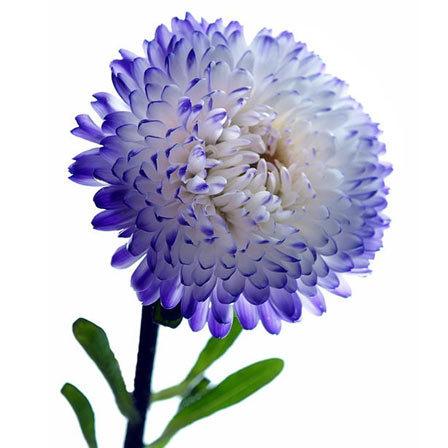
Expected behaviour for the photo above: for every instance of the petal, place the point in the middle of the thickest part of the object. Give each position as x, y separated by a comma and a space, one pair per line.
254, 295
151, 294
142, 277
200, 315
87, 129
247, 313
222, 312
218, 330
188, 304
171, 292
270, 319
288, 305
110, 197
315, 304
222, 295
235, 284
122, 258
115, 219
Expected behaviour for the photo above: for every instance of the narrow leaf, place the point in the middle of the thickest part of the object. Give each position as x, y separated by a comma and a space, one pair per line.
213, 350
195, 393
94, 341
232, 390
169, 392
84, 412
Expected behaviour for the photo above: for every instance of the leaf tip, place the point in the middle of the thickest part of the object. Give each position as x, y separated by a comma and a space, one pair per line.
78, 323
279, 364
65, 388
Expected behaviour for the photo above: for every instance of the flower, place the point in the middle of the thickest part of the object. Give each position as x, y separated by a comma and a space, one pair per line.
243, 177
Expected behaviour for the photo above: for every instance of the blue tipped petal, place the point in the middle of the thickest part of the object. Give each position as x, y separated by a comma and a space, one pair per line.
287, 305
142, 277
199, 317
170, 293
188, 304
254, 295
110, 197
247, 314
223, 296
217, 329
235, 284
115, 219
151, 294
87, 129
315, 303
122, 258
269, 317
222, 312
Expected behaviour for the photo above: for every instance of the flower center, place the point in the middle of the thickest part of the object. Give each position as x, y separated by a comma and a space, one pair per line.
277, 149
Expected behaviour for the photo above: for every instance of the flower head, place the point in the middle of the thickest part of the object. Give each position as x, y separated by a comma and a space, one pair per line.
242, 176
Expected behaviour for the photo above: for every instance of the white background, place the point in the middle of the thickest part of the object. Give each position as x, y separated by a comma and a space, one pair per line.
370, 373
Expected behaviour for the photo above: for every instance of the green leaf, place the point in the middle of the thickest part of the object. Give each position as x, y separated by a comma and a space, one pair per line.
168, 318
94, 341
84, 412
232, 390
195, 393
213, 350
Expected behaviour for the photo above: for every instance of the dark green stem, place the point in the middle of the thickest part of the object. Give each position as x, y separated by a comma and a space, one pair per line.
143, 375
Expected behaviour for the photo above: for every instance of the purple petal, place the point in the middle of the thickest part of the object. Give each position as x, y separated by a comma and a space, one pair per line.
84, 167
122, 258
139, 242
203, 292
343, 289
114, 120
142, 277
222, 295
315, 304
235, 284
87, 129
254, 295
162, 36
147, 220
341, 262
218, 330
277, 279
105, 104
113, 219
188, 304
199, 318
110, 197
121, 87
151, 293
330, 281
247, 313
270, 319
170, 293
288, 305
201, 276
222, 312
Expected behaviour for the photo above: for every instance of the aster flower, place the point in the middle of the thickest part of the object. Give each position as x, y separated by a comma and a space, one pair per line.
243, 177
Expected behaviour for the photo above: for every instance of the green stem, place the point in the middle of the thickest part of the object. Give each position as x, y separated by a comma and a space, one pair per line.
170, 392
